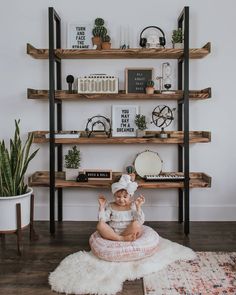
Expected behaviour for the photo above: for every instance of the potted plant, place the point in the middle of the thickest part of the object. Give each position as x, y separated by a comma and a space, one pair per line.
140, 122
150, 87
72, 163
177, 38
106, 44
98, 31
14, 162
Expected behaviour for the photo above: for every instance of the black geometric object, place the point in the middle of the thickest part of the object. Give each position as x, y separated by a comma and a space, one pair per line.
98, 121
70, 80
162, 116
82, 178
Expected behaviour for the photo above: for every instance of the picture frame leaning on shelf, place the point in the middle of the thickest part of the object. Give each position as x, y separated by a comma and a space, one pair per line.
79, 36
123, 117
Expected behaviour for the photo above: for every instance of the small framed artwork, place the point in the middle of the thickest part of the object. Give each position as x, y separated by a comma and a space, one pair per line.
123, 117
79, 36
136, 79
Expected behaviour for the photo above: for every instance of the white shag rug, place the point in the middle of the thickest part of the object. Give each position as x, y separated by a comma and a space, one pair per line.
84, 273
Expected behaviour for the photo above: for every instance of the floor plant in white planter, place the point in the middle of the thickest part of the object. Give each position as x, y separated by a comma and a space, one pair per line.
16, 205
72, 163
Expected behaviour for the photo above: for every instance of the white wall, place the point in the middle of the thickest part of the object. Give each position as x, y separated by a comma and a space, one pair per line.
27, 21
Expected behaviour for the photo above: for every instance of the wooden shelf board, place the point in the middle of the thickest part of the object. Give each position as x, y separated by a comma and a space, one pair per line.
161, 53
176, 137
41, 179
66, 96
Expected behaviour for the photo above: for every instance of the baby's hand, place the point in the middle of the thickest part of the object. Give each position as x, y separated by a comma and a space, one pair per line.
139, 201
102, 201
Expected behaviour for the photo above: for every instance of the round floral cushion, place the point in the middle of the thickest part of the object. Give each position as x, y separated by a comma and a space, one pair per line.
143, 247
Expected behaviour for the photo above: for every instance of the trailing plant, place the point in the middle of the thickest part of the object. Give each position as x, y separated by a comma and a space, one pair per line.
177, 36
140, 122
106, 38
72, 159
150, 83
14, 163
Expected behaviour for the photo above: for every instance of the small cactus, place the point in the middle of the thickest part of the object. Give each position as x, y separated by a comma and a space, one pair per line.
150, 83
106, 38
99, 31
99, 22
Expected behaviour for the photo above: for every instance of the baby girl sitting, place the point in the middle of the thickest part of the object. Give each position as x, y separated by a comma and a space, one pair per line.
124, 217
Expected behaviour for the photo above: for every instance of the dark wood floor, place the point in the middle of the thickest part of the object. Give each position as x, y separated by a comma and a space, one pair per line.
28, 274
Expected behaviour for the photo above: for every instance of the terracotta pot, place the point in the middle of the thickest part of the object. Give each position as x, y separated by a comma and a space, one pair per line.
106, 45
97, 41
150, 90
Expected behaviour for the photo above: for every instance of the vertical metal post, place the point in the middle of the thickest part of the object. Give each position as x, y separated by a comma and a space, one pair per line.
52, 60
51, 119
186, 120
59, 119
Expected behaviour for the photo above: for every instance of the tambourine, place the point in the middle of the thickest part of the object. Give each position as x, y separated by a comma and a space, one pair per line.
148, 163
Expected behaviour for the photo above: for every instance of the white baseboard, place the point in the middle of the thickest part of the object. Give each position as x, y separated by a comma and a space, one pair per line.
88, 212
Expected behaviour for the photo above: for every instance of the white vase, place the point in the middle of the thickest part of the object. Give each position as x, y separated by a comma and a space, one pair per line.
140, 133
8, 218
71, 174
178, 45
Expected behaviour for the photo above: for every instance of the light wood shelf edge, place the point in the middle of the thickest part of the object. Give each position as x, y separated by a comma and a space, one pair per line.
41, 179
176, 137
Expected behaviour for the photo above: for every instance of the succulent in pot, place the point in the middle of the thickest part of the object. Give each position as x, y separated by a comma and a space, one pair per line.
177, 38
98, 31
141, 123
14, 162
106, 44
150, 87
72, 163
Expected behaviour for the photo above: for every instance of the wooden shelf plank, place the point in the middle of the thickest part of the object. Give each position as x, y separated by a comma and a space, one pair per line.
175, 137
41, 179
138, 53
66, 96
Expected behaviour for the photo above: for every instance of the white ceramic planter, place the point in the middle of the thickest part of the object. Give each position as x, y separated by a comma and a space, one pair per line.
71, 174
178, 45
140, 133
8, 219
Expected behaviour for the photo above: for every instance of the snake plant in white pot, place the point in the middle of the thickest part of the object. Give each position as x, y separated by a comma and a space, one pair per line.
14, 162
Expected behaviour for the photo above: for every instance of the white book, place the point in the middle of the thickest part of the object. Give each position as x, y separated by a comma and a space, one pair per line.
65, 135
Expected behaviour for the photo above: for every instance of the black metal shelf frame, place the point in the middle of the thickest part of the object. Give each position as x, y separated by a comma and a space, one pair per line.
183, 117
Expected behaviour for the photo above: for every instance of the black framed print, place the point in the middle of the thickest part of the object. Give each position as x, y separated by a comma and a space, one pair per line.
136, 79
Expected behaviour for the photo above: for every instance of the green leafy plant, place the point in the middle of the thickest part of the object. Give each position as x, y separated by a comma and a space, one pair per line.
177, 36
14, 163
140, 122
150, 83
72, 159
99, 21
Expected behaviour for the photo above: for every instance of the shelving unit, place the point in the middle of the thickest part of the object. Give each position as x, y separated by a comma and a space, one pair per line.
56, 96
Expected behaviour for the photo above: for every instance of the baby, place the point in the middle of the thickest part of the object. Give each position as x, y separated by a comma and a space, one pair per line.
124, 217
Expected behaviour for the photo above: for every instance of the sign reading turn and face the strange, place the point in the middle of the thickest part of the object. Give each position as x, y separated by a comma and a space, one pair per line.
79, 36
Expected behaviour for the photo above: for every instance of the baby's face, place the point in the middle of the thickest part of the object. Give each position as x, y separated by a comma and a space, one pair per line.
122, 198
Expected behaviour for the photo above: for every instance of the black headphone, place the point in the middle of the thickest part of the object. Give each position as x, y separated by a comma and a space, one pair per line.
143, 41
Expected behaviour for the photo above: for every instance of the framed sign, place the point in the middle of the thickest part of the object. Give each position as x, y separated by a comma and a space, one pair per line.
94, 174
79, 36
136, 79
123, 117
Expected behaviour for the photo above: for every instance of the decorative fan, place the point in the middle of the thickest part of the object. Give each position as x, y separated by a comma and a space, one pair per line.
162, 116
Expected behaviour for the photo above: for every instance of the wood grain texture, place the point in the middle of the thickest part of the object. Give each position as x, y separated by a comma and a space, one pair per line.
41, 179
175, 137
139, 53
28, 274
66, 96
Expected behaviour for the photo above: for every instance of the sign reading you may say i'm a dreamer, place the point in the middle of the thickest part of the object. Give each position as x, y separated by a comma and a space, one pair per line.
79, 36
123, 117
